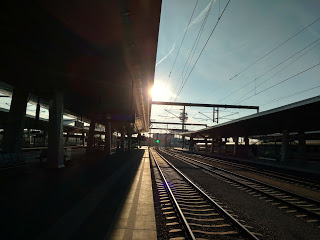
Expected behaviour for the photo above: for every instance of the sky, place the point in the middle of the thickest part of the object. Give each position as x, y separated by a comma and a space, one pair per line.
237, 65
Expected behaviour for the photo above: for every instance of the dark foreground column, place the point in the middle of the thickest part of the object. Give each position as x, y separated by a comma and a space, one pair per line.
55, 138
206, 143
220, 145
13, 131
302, 146
91, 136
246, 146
191, 144
83, 139
129, 141
183, 140
212, 145
122, 139
284, 147
107, 141
235, 146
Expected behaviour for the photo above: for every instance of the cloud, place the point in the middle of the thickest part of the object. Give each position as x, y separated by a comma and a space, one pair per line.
174, 44
201, 15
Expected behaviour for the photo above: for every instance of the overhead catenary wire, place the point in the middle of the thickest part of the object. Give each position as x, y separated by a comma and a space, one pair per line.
185, 33
268, 53
277, 65
290, 63
278, 71
192, 51
281, 82
206, 116
194, 46
290, 95
223, 116
171, 113
214, 28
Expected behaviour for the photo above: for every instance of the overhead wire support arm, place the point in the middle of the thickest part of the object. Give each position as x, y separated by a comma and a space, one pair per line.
205, 105
168, 129
171, 113
173, 123
206, 116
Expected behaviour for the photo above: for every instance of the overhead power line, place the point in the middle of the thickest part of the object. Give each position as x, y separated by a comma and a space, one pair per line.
176, 89
206, 116
279, 71
229, 115
275, 48
195, 45
214, 28
171, 113
277, 65
290, 95
187, 63
185, 33
281, 82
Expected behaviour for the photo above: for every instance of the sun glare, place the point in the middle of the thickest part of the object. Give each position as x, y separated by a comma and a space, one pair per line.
158, 92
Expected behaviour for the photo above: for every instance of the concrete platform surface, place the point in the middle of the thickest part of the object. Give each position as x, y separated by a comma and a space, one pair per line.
92, 197
137, 218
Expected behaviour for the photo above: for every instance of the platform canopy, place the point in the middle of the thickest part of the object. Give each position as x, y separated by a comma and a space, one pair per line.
295, 117
101, 54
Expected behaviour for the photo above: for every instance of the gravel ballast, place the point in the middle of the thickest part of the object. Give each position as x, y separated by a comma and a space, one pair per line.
266, 219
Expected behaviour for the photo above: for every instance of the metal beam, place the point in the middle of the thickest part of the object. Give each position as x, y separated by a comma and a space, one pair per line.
170, 129
194, 124
204, 105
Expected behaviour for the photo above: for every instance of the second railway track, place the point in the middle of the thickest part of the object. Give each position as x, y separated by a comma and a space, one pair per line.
305, 183
291, 202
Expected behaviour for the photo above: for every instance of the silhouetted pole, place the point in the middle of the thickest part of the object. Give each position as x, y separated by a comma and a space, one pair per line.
183, 121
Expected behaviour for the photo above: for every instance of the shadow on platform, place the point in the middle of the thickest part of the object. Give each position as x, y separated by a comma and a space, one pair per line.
79, 201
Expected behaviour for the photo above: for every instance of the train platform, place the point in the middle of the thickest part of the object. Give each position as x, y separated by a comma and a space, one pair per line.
137, 217
310, 168
93, 197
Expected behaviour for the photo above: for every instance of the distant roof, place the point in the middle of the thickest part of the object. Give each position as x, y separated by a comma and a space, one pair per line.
299, 116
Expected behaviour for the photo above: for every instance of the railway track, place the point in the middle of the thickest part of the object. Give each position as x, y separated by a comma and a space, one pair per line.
190, 212
291, 202
312, 185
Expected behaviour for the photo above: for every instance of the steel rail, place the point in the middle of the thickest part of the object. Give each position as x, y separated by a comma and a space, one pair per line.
237, 224
316, 215
268, 173
184, 220
256, 181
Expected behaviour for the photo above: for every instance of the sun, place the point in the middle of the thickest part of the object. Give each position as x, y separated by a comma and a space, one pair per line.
158, 92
